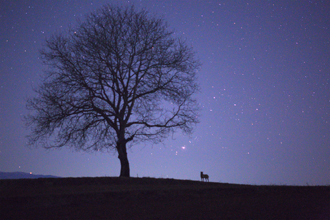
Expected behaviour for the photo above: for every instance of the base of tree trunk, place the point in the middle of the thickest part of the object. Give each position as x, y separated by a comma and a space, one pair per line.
124, 170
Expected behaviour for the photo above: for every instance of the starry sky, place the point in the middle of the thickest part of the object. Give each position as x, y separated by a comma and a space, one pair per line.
265, 92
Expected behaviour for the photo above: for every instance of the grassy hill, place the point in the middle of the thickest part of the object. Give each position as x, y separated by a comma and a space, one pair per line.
150, 198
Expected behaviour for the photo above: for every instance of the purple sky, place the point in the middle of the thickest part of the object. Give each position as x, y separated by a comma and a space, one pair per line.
265, 92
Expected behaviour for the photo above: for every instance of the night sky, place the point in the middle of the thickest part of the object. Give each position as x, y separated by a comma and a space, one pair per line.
265, 92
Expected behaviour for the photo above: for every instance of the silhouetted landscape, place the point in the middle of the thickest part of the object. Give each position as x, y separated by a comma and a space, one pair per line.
150, 198
22, 175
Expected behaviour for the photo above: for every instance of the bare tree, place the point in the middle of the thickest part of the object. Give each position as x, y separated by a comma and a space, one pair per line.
119, 77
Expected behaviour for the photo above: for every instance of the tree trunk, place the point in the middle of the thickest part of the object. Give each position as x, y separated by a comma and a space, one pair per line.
122, 155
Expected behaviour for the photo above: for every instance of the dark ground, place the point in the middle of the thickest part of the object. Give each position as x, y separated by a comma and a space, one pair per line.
149, 198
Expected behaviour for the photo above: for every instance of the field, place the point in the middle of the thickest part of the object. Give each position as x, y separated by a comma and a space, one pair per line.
150, 198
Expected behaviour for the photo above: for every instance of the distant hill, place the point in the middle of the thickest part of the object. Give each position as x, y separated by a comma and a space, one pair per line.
22, 175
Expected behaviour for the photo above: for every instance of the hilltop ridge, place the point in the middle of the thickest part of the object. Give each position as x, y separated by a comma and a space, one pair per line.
151, 198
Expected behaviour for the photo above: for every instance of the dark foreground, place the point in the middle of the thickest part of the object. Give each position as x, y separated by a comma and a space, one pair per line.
148, 198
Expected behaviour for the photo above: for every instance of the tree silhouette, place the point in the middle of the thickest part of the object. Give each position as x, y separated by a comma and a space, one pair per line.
118, 78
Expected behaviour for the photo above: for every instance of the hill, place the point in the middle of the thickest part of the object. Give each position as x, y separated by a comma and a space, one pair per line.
22, 175
150, 198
